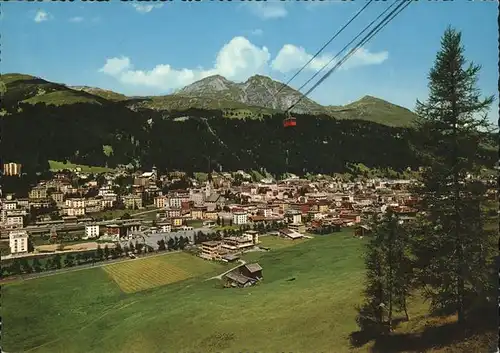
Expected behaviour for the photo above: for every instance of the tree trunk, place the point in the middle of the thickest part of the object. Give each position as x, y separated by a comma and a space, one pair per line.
405, 308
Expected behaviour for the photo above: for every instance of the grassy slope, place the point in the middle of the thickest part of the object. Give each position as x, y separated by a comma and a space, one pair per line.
32, 90
85, 312
56, 166
376, 110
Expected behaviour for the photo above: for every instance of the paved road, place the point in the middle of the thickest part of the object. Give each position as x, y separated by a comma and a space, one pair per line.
83, 267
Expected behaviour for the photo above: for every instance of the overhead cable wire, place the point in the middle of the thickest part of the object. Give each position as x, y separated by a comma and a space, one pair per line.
403, 5
323, 47
347, 45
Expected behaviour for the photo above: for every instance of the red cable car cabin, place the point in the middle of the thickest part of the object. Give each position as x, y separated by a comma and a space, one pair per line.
290, 121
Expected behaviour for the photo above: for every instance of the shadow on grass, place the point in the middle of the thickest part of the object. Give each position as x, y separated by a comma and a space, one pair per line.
449, 336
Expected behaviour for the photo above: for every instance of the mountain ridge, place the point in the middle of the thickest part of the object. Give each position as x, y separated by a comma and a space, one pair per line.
254, 98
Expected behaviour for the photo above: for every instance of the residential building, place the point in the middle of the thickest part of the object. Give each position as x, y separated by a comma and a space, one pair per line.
175, 202
18, 242
57, 196
297, 227
14, 221
165, 227
197, 213
91, 231
210, 250
38, 193
240, 217
12, 169
132, 202
161, 201
113, 230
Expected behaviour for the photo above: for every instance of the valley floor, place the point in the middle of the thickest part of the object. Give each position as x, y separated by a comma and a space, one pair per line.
86, 311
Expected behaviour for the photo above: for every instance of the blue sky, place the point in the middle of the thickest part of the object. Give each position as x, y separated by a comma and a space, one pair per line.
142, 48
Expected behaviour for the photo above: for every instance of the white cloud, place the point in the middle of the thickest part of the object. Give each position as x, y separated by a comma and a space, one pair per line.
114, 66
41, 16
237, 60
267, 10
363, 57
292, 58
76, 19
146, 8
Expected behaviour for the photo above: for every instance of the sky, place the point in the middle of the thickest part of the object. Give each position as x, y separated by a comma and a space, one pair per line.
154, 48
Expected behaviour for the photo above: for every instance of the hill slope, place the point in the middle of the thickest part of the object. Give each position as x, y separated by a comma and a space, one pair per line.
20, 88
254, 98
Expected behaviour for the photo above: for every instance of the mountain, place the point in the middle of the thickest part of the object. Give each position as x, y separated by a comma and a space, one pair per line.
103, 93
256, 98
258, 90
20, 88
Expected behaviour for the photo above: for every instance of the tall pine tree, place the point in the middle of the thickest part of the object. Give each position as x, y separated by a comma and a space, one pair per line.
452, 245
388, 274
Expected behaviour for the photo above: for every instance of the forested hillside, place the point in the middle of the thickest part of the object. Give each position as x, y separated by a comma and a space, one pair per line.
44, 121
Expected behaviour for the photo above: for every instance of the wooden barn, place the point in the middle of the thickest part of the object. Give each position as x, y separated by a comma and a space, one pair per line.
244, 276
362, 230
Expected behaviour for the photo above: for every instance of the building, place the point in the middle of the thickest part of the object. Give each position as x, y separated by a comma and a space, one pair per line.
210, 250
161, 201
57, 196
14, 221
240, 218
113, 230
197, 213
290, 234
75, 203
38, 193
18, 242
175, 202
362, 230
12, 169
244, 276
165, 227
91, 231
133, 202
297, 227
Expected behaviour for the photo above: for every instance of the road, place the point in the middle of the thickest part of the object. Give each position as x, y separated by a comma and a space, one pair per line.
82, 267
242, 262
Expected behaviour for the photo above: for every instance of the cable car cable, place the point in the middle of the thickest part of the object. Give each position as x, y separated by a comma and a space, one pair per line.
348, 44
369, 36
323, 47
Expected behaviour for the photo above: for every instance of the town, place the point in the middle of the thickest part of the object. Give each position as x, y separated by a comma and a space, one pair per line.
125, 214
203, 191
76, 211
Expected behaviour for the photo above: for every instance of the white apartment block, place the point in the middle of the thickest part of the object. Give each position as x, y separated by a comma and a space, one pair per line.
14, 221
161, 201
9, 205
75, 203
240, 218
72, 211
18, 242
267, 212
91, 231
175, 202
166, 228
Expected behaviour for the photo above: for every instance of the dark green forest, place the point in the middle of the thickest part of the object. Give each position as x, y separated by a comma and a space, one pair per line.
34, 134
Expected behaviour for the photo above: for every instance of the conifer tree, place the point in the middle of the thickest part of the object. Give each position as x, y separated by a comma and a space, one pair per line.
452, 246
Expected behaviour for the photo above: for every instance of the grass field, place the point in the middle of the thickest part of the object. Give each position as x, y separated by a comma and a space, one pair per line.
56, 166
275, 242
135, 276
85, 311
